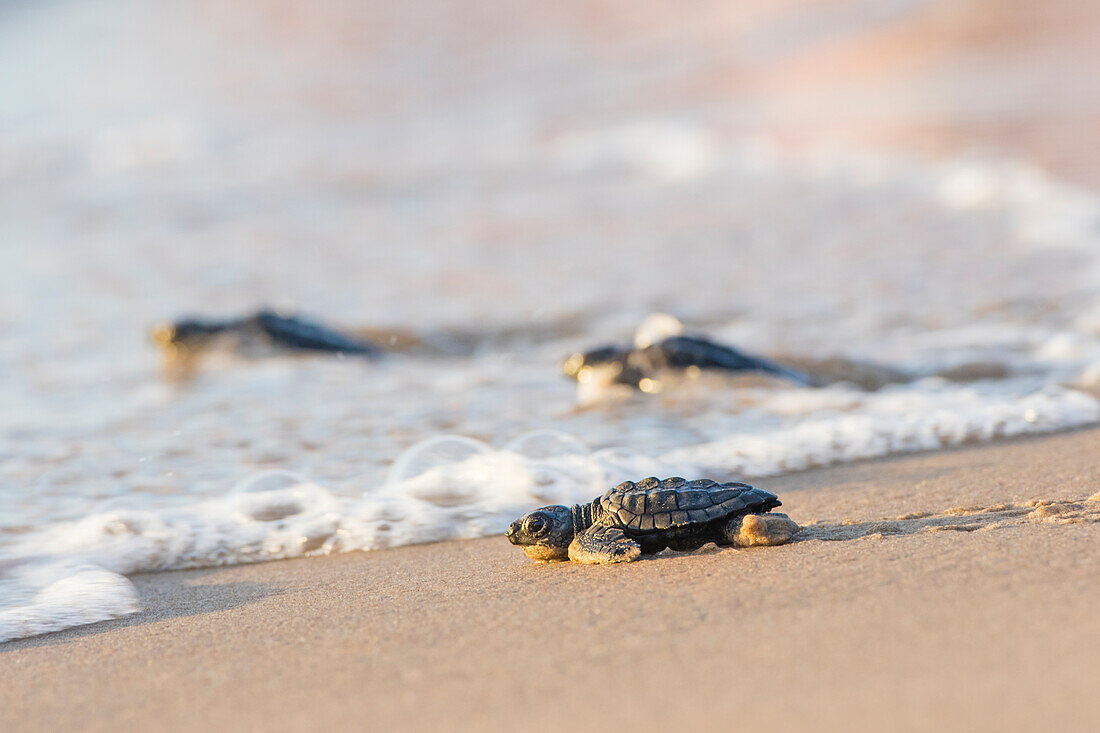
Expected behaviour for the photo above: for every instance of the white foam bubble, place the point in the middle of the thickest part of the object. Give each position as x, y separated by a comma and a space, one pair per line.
44, 598
656, 328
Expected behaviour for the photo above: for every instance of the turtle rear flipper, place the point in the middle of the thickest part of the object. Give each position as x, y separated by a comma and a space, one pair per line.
753, 530
601, 544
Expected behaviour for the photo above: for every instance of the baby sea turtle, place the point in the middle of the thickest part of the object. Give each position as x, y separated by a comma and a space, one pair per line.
648, 516
261, 333
661, 347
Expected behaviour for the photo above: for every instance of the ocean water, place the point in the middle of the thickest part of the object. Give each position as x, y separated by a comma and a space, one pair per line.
136, 184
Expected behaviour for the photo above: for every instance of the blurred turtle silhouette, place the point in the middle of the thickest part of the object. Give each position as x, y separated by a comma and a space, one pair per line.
265, 333
661, 350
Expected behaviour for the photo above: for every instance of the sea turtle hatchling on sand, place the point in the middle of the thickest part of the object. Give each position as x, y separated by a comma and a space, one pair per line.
649, 516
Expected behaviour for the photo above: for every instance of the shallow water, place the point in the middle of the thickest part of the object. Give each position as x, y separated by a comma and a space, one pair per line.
533, 232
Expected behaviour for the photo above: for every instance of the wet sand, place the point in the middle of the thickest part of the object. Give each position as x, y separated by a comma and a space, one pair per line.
951, 591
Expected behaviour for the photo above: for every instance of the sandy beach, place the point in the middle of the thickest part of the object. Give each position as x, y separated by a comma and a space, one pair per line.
950, 591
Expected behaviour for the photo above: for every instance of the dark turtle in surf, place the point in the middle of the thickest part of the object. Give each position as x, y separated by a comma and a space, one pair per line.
649, 516
258, 334
661, 348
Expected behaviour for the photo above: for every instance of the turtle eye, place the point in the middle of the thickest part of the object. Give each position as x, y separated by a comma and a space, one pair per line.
535, 525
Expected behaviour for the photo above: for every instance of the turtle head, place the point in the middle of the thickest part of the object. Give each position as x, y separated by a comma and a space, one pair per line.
189, 333
580, 366
545, 533
182, 342
178, 354
163, 335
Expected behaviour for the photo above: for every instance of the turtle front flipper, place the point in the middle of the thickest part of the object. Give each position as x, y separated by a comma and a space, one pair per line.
601, 544
752, 530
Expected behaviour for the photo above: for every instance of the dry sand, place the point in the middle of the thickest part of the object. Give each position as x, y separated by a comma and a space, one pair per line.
955, 603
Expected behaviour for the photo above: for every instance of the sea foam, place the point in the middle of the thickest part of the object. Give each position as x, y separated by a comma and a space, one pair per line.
456, 487
54, 597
